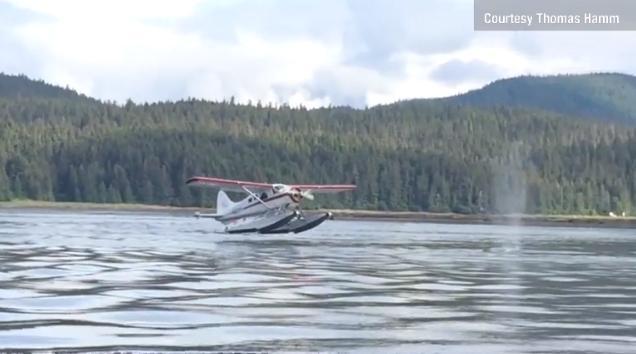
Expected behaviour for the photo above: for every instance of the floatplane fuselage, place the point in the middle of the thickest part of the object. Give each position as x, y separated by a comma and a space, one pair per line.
267, 208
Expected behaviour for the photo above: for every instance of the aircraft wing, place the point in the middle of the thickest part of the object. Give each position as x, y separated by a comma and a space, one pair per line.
325, 188
237, 185
228, 184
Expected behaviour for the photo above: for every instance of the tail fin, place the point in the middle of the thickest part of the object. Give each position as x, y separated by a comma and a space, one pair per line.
223, 203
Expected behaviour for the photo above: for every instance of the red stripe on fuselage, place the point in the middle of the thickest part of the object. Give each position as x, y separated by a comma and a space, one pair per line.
275, 196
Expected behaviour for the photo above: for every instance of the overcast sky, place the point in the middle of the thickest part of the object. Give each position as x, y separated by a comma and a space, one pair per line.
359, 52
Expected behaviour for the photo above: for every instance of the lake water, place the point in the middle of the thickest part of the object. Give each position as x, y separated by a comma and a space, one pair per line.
152, 281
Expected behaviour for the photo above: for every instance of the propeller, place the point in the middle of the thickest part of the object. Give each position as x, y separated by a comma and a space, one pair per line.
299, 194
307, 194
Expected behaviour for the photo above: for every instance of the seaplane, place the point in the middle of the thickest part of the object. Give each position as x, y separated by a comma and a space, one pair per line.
268, 207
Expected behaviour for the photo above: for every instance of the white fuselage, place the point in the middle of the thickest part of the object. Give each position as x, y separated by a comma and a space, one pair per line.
279, 199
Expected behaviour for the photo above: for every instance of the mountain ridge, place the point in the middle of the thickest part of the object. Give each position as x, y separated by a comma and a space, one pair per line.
595, 95
427, 155
21, 86
604, 96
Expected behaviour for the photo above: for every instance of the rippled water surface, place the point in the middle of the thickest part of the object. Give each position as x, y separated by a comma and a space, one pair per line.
139, 281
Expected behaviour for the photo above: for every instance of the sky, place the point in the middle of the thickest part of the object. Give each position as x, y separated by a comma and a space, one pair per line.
299, 52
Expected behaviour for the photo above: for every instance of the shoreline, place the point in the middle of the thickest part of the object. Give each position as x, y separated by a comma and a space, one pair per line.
352, 214
81, 206
489, 219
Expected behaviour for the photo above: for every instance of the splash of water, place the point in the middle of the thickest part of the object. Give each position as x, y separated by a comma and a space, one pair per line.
510, 185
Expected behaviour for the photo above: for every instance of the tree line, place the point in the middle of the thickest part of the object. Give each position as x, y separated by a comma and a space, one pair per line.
431, 155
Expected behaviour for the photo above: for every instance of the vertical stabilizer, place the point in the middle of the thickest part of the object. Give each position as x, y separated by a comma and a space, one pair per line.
223, 203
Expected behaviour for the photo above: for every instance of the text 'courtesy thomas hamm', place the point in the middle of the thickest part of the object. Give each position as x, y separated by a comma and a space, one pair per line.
549, 15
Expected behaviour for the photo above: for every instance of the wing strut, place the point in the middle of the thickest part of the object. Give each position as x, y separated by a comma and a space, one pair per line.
255, 196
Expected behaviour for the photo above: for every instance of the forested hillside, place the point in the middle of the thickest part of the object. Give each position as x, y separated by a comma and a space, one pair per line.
601, 96
20, 86
434, 155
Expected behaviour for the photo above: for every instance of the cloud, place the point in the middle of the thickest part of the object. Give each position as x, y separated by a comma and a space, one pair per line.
15, 56
592, 51
457, 71
346, 85
355, 52
108, 10
140, 56
379, 30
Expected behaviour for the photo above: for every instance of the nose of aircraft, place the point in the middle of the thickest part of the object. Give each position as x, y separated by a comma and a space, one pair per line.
296, 195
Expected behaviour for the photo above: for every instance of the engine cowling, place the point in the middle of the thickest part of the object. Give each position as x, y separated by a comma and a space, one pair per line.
296, 195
